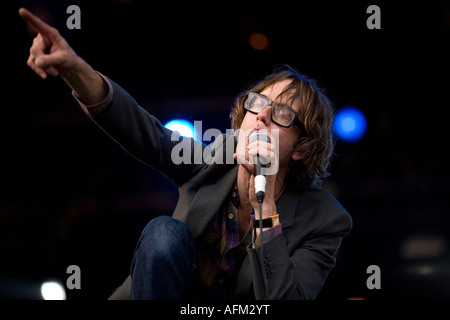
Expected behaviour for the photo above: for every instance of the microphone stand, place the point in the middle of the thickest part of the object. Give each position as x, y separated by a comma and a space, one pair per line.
260, 187
261, 260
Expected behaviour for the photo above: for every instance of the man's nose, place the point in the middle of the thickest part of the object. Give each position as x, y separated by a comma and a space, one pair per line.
265, 116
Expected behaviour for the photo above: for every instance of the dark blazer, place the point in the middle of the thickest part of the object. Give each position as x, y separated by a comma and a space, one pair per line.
297, 262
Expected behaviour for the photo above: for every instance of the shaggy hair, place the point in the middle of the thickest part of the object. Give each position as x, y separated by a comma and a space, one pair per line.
316, 112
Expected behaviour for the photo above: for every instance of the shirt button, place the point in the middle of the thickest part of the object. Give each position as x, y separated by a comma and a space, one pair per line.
230, 216
233, 194
221, 281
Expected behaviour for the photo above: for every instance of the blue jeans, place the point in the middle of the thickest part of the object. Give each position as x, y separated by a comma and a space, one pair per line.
164, 262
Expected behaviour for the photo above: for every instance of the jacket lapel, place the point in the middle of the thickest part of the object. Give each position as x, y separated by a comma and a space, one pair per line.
208, 200
211, 196
286, 207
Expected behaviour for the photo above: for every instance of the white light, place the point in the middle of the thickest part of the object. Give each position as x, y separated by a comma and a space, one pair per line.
52, 290
184, 128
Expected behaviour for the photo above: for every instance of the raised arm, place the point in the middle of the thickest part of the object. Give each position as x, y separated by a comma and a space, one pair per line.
138, 132
50, 54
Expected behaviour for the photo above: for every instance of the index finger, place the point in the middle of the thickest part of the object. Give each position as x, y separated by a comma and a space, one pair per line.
37, 24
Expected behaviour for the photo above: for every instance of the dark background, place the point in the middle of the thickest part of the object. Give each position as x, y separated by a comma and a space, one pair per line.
71, 196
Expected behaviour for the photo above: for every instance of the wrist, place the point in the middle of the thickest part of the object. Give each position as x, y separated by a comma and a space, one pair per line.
272, 229
267, 223
86, 83
268, 209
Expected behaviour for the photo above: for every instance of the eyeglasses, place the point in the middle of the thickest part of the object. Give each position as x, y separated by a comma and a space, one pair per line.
282, 115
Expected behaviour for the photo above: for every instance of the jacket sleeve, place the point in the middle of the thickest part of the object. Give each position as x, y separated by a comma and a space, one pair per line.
301, 273
144, 137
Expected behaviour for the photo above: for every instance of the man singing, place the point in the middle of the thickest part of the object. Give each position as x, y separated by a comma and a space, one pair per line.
222, 242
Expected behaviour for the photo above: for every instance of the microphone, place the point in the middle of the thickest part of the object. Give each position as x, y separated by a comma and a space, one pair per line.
260, 179
260, 190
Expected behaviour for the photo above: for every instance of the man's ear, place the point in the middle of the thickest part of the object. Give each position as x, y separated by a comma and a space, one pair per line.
296, 155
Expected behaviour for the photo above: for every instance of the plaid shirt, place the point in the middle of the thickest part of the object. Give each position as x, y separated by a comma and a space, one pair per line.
220, 252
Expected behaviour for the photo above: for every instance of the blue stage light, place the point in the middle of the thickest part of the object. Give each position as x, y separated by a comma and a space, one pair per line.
184, 128
349, 124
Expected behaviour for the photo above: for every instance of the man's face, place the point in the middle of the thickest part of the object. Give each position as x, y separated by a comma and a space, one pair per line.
283, 139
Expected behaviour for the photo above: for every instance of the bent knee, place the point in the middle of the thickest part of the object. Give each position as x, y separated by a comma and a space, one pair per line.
164, 235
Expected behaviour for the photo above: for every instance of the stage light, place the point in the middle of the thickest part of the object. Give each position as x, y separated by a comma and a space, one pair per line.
52, 290
349, 124
184, 128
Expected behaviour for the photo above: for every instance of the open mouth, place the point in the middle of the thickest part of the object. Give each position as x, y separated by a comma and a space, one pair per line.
258, 135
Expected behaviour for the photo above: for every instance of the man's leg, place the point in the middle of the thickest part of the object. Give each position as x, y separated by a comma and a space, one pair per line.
164, 262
